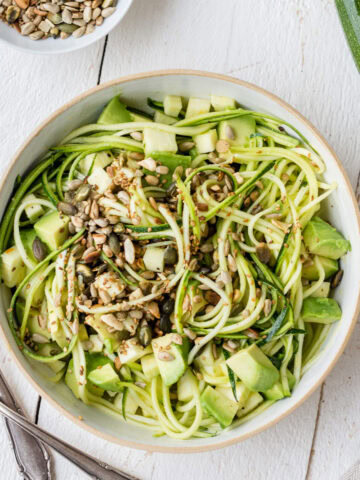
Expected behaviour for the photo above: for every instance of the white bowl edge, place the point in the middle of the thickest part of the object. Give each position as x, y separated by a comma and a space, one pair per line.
135, 90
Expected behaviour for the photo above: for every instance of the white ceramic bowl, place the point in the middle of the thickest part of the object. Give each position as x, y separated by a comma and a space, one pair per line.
50, 45
342, 211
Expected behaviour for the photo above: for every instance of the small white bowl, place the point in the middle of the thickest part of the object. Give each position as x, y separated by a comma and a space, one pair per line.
51, 45
342, 211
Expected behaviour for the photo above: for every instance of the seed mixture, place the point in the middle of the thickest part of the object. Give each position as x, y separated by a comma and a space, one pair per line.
174, 270
41, 19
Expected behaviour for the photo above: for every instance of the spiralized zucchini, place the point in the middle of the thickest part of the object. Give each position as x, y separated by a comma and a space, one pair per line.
151, 256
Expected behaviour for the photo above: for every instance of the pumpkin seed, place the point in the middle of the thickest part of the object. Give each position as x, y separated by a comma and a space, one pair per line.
39, 249
165, 323
85, 272
12, 14
170, 256
114, 243
67, 208
145, 334
67, 28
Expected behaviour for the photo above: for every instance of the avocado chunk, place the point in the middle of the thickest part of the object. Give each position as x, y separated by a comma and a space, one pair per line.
241, 127
52, 229
254, 368
170, 160
276, 392
114, 112
322, 291
106, 378
171, 357
253, 401
242, 393
320, 310
323, 239
310, 272
219, 406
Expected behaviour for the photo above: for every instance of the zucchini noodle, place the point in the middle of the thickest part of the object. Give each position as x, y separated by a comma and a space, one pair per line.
177, 277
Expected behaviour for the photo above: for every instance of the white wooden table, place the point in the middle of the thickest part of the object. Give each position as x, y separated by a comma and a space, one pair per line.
294, 48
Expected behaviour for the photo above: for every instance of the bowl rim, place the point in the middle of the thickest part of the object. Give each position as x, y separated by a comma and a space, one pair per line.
64, 50
240, 437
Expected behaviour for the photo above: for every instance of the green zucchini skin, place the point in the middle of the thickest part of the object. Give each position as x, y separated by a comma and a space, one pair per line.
349, 13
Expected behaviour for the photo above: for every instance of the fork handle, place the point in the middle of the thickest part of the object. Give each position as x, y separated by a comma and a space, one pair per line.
95, 468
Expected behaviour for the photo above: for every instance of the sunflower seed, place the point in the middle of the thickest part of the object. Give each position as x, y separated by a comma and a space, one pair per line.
102, 222
79, 32
123, 197
27, 28
99, 21
267, 306
152, 180
186, 146
232, 263
149, 163
51, 7
222, 146
67, 16
36, 35
165, 356
154, 309
229, 132
105, 297
89, 28
190, 334
96, 12
38, 338
132, 155
129, 251
87, 14
137, 136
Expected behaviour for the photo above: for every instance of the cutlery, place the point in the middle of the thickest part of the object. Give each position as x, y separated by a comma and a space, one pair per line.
32, 458
93, 467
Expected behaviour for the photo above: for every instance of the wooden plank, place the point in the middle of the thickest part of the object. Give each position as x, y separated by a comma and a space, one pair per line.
270, 454
32, 88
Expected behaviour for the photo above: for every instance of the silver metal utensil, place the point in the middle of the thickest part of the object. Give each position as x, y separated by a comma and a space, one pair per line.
32, 457
95, 468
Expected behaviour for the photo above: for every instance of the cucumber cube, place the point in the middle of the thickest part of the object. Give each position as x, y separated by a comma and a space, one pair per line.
33, 211
206, 142
158, 141
13, 269
220, 103
172, 105
197, 106
100, 179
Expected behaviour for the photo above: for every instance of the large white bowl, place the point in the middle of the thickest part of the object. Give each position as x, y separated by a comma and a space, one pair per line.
342, 211
51, 45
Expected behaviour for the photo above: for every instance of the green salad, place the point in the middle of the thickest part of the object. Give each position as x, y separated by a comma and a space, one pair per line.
174, 269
